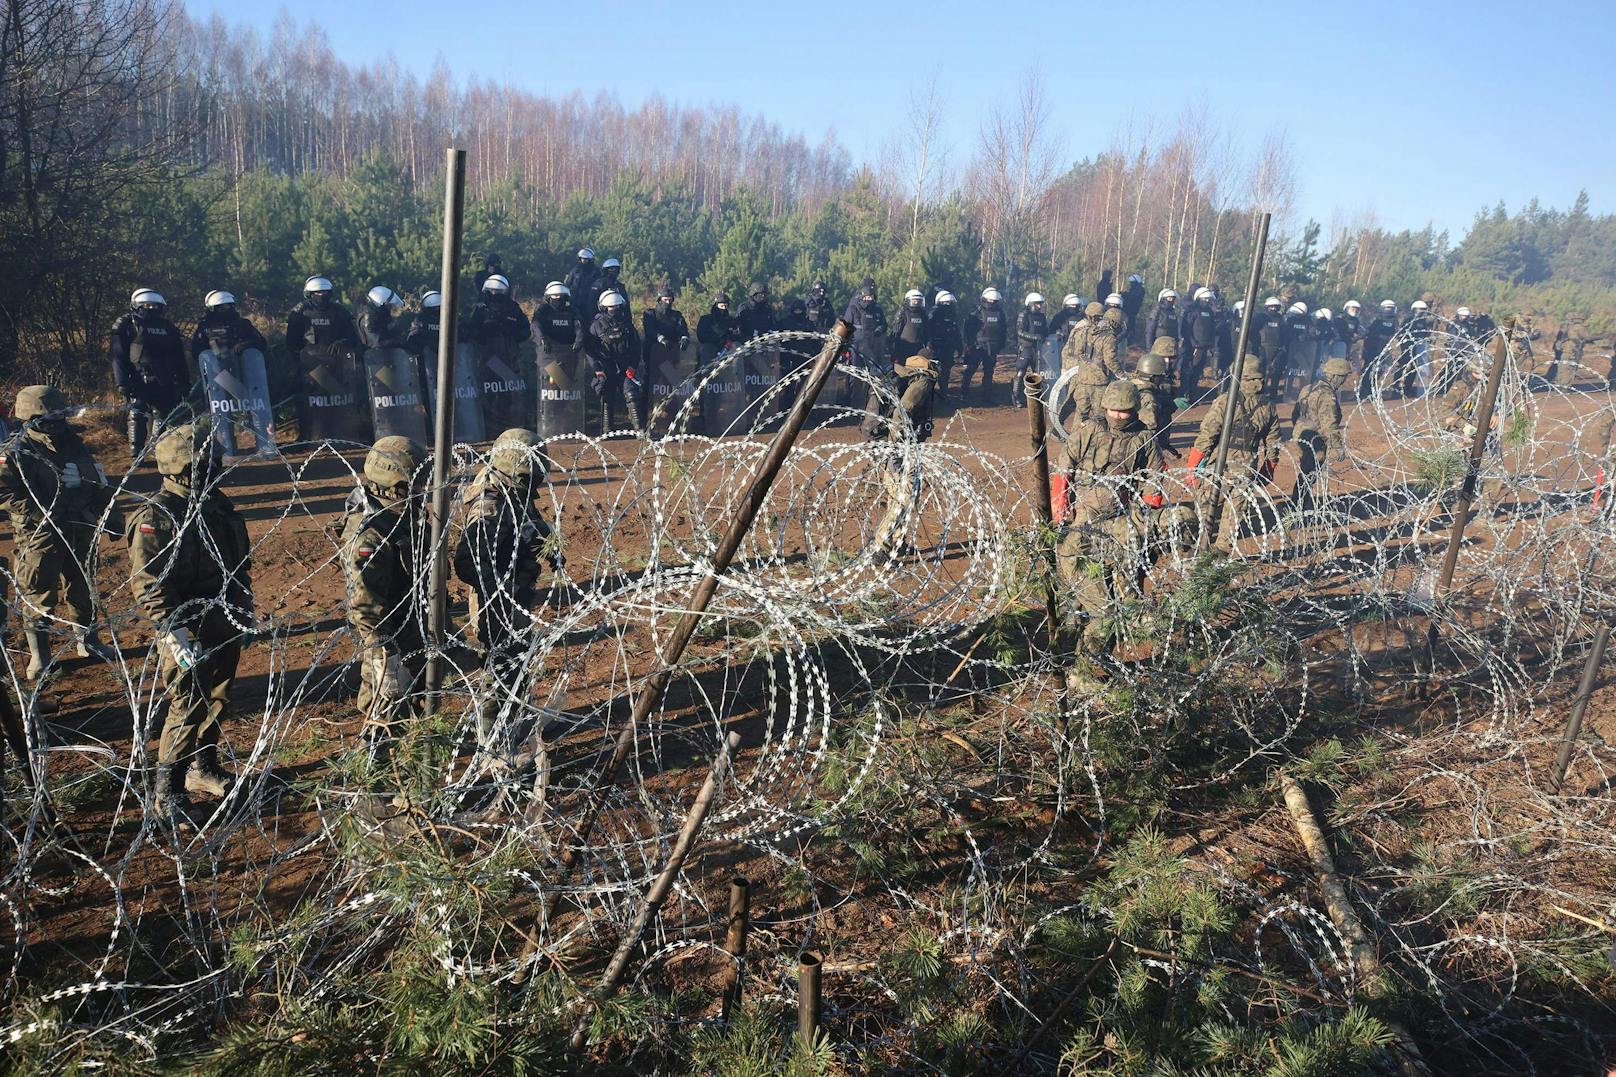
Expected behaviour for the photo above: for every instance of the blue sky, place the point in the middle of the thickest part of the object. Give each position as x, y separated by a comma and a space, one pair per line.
1421, 112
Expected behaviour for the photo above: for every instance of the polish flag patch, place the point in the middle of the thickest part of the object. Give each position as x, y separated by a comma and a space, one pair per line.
365, 551
147, 529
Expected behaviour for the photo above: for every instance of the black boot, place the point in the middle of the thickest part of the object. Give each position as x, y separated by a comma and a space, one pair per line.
172, 803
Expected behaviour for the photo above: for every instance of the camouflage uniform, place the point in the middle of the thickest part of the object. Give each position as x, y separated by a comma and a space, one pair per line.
190, 565
504, 540
1317, 428
1092, 350
55, 494
382, 539
1253, 448
915, 383
1156, 404
1103, 544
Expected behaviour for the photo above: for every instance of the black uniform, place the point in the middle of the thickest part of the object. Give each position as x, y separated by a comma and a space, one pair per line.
946, 343
378, 328
910, 332
821, 313
663, 339
1062, 324
556, 327
148, 363
1133, 301
1272, 334
986, 330
1103, 287
869, 321
582, 283
716, 333
1377, 336
497, 324
326, 328
1197, 342
1163, 322
755, 317
225, 332
422, 338
613, 348
1031, 330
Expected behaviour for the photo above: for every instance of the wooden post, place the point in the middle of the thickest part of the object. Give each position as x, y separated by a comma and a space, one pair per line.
740, 922
1590, 675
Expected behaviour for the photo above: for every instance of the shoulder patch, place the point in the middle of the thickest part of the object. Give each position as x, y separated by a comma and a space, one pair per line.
364, 551
147, 529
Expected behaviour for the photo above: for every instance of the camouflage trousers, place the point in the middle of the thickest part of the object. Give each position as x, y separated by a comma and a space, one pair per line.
52, 564
197, 697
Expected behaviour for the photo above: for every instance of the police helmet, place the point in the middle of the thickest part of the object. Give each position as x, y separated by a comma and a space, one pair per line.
1239, 306
1387, 304
990, 295
1353, 304
431, 301
497, 283
1120, 395
1322, 314
147, 297
944, 297
1113, 300
34, 401
611, 263
1298, 308
1152, 365
1419, 304
586, 254
393, 461
382, 296
1033, 297
1272, 303
219, 298
514, 454
555, 288
611, 300
1072, 300
1462, 312
1166, 293
1203, 293
318, 284
1337, 367
914, 295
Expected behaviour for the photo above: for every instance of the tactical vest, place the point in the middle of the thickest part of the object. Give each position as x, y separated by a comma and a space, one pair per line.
1203, 328
148, 337
914, 327
1243, 430
992, 332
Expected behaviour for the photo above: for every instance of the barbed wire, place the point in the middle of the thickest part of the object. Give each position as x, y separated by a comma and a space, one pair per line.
873, 645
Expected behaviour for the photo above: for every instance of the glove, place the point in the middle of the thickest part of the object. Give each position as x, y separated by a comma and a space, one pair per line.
391, 682
662, 339
182, 648
684, 342
1193, 462
1469, 430
70, 475
599, 383
558, 564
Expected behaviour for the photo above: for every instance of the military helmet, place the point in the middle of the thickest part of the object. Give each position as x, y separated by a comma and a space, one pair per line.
1165, 347
393, 461
1152, 364
1113, 315
179, 447
1337, 365
1120, 395
1094, 310
36, 400
514, 453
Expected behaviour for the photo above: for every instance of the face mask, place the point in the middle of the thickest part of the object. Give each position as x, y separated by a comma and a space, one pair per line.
1118, 424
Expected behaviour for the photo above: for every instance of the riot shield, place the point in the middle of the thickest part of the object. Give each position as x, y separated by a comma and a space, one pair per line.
238, 398
562, 382
507, 387
468, 405
332, 405
396, 407
723, 395
662, 381
762, 370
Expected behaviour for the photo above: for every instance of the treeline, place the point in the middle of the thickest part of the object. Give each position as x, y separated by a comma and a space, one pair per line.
141, 147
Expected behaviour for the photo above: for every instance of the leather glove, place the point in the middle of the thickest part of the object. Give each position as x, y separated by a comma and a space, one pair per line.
182, 648
71, 478
391, 683
684, 342
599, 383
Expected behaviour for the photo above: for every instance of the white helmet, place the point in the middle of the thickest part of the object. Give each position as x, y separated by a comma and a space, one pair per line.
1353, 304
1033, 297
1166, 293
945, 297
497, 283
1462, 312
1272, 301
1387, 304
611, 263
1419, 304
1071, 300
317, 284
1134, 278
913, 294
555, 287
1298, 308
1203, 293
610, 299
587, 254
1239, 305
990, 295
1115, 300
431, 301
219, 298
1323, 314
147, 297
381, 296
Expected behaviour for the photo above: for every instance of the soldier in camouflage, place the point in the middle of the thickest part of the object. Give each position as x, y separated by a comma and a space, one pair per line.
1253, 448
1316, 426
1092, 351
56, 495
382, 556
914, 383
1156, 404
190, 565
506, 538
1103, 542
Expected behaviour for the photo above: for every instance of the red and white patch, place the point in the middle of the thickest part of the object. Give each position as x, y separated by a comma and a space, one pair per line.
364, 551
147, 529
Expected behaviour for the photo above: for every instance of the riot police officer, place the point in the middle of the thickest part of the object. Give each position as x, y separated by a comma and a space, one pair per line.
986, 330
223, 330
911, 330
379, 323
613, 348
946, 342
148, 363
821, 312
1031, 330
582, 285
